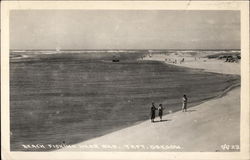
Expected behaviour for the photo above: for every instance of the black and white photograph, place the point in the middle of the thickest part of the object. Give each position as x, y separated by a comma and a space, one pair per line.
125, 80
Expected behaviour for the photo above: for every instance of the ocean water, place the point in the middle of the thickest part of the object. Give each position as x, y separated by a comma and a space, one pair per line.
73, 96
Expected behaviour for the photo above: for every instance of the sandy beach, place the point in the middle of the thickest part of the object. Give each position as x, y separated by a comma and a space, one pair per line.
210, 126
198, 62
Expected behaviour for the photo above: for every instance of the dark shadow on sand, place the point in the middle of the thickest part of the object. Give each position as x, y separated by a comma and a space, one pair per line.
164, 120
191, 110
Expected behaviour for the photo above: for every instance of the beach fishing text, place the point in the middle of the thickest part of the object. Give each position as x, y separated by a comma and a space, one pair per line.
101, 147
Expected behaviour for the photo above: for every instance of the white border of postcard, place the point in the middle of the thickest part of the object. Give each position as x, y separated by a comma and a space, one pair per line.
242, 6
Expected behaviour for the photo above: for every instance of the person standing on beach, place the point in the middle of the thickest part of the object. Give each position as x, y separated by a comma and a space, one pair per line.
153, 108
160, 109
184, 103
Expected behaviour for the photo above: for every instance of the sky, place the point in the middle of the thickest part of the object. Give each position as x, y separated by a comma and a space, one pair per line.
124, 29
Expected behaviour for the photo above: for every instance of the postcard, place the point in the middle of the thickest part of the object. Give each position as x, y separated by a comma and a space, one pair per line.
125, 80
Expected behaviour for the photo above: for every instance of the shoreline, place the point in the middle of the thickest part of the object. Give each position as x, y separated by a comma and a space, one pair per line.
130, 135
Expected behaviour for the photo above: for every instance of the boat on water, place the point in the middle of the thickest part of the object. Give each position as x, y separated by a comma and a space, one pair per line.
115, 59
